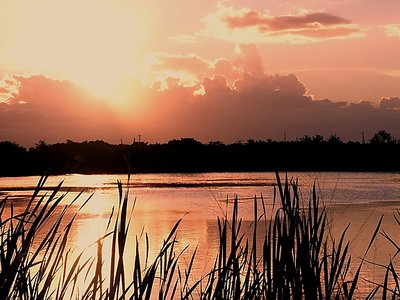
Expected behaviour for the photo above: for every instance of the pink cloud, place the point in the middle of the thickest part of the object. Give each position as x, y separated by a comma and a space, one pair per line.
216, 86
3, 90
52, 110
390, 103
228, 69
257, 105
248, 60
250, 18
325, 32
244, 24
312, 20
257, 109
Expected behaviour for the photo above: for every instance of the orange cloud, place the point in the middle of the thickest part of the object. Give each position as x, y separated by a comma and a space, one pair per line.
191, 69
8, 88
326, 32
312, 20
251, 26
260, 108
52, 110
390, 103
249, 59
257, 105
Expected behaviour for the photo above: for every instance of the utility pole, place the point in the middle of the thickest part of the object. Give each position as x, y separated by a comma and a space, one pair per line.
363, 138
139, 135
284, 136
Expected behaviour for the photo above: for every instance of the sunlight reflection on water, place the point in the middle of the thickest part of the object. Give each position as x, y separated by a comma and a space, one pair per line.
162, 199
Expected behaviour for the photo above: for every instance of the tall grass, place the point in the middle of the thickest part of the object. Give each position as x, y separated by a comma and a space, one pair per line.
299, 259
391, 282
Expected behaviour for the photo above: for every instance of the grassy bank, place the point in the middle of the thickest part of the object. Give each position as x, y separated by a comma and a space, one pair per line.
299, 259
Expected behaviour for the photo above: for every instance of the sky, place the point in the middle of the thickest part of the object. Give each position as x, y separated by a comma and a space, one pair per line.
212, 70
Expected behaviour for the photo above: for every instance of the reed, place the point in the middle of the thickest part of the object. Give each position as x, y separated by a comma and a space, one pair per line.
299, 259
390, 286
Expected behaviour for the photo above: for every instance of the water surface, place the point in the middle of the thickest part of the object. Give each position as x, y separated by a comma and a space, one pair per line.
358, 199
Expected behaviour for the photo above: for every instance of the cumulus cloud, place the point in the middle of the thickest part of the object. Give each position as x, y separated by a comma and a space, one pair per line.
52, 110
228, 69
259, 105
251, 26
256, 105
390, 103
250, 59
257, 109
8, 88
191, 68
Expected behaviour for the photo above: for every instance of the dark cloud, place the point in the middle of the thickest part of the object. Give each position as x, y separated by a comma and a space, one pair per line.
266, 107
255, 18
218, 85
390, 103
305, 21
311, 25
255, 105
52, 110
288, 84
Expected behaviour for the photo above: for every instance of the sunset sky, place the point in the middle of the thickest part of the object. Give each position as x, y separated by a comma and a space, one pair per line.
212, 70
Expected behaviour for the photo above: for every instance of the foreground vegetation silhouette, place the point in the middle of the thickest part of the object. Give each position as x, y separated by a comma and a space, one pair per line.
312, 153
299, 259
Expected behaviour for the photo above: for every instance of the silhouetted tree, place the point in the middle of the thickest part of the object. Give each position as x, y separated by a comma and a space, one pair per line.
190, 155
318, 138
250, 142
305, 139
41, 145
382, 137
334, 139
215, 143
12, 159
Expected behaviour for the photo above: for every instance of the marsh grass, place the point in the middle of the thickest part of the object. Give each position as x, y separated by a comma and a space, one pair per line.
391, 282
299, 259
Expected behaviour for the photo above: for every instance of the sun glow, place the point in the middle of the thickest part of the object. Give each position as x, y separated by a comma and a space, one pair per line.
93, 43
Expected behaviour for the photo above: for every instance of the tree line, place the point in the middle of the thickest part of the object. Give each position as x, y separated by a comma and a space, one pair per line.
309, 153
